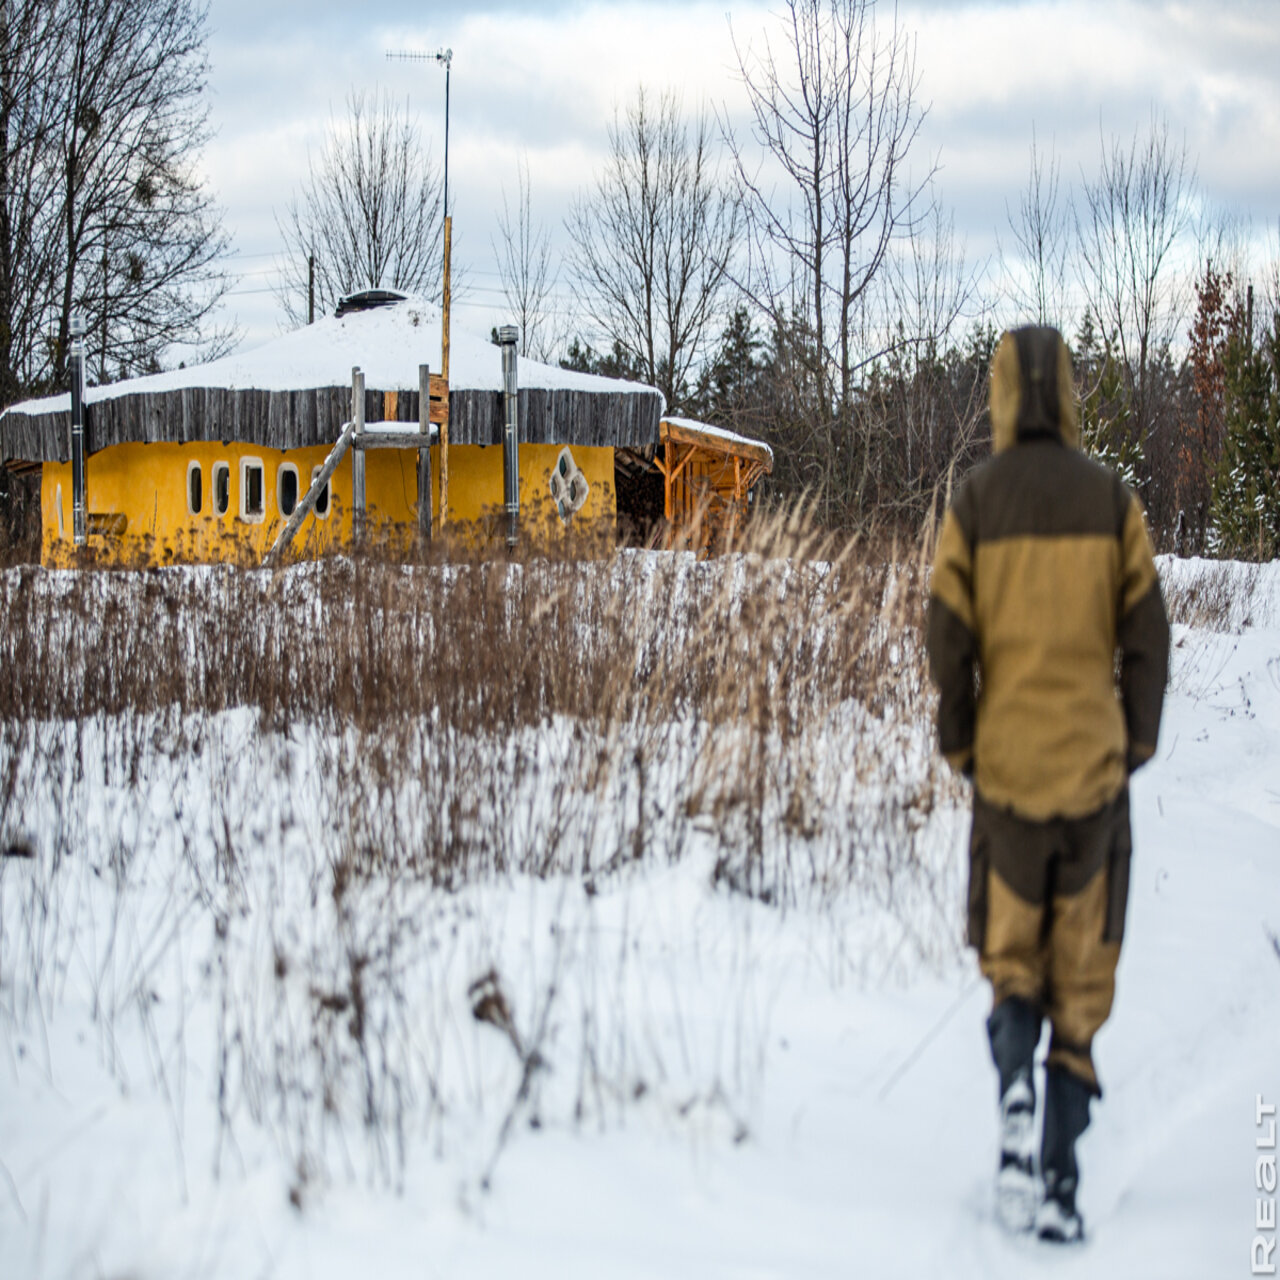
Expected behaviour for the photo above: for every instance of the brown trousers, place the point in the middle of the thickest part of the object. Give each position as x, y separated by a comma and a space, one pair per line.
1046, 915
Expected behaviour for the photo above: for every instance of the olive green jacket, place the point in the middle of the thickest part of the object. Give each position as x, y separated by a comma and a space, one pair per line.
1043, 575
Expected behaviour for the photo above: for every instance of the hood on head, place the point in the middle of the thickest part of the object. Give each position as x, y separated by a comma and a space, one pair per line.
1032, 390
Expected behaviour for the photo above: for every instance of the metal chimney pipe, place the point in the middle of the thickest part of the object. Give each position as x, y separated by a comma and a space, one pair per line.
79, 519
508, 337
358, 505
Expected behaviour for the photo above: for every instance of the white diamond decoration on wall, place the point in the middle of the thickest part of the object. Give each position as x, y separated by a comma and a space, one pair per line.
569, 487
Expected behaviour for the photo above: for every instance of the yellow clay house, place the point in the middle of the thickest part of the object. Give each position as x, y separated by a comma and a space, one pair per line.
209, 463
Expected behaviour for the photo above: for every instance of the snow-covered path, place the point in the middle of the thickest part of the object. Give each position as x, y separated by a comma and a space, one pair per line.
841, 1179
868, 1144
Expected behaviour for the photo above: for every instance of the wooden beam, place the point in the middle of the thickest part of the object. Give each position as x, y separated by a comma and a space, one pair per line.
389, 440
713, 443
303, 509
674, 473
671, 470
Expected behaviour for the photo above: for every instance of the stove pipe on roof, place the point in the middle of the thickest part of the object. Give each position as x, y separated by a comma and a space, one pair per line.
508, 336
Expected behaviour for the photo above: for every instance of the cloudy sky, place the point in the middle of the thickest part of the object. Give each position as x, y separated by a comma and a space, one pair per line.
541, 80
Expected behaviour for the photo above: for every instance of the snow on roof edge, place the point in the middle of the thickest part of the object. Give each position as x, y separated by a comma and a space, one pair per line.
721, 433
387, 343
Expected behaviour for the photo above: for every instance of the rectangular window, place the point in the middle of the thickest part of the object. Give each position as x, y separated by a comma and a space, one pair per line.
322, 498
221, 488
252, 500
195, 489
287, 488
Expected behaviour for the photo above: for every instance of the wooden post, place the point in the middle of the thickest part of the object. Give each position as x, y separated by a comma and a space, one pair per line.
444, 369
733, 509
668, 509
358, 511
424, 453
311, 288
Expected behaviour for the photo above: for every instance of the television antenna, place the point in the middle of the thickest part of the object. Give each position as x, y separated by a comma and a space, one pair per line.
445, 59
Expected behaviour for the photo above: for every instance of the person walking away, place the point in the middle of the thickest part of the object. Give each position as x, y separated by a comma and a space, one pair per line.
1043, 574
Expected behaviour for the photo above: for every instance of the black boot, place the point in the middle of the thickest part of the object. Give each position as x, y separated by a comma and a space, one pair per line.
1066, 1117
1014, 1027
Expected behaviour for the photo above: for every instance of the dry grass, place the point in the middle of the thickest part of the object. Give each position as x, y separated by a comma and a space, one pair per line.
1212, 595
733, 665
291, 788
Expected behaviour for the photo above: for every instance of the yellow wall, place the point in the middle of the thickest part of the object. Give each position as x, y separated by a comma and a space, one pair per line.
147, 484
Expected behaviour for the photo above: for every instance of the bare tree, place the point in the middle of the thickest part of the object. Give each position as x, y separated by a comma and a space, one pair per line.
1035, 272
653, 238
369, 212
525, 269
142, 237
1132, 216
935, 294
101, 121
834, 109
31, 47
1271, 271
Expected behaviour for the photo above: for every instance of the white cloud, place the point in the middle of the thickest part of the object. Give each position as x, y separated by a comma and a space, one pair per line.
543, 82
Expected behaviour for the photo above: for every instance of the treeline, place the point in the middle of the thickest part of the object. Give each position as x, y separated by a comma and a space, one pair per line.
1198, 436
794, 283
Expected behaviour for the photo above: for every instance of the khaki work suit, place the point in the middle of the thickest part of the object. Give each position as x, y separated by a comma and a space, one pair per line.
1048, 641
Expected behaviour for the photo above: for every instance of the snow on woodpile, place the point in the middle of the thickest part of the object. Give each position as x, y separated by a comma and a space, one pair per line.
295, 390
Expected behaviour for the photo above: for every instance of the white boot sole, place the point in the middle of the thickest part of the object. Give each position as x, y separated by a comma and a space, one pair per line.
1056, 1227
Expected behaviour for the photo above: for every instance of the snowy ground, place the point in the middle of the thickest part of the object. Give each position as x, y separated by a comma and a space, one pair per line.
731, 1089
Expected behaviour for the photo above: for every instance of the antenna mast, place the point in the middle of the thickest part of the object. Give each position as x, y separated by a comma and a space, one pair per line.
443, 57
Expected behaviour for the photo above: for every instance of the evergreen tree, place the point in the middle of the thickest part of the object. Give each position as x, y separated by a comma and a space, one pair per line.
1246, 494
1108, 429
732, 389
582, 357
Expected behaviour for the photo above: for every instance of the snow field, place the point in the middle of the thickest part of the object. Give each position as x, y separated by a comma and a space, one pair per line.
731, 1030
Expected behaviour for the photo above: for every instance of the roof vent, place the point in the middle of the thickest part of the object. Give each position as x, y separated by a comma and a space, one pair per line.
368, 300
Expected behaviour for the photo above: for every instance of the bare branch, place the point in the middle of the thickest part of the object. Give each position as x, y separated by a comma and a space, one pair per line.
526, 272
653, 239
369, 212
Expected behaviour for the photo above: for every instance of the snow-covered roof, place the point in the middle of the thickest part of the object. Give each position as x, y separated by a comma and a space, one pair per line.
288, 392
388, 343
713, 434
